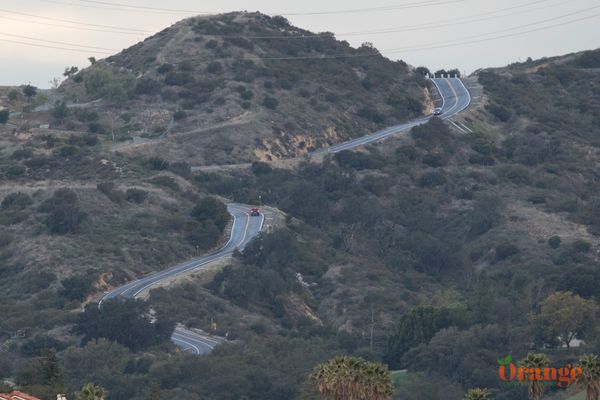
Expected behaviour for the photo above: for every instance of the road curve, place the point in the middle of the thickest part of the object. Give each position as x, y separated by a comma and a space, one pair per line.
244, 229
455, 98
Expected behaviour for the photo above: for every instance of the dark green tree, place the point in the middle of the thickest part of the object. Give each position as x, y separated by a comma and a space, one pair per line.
4, 114
416, 327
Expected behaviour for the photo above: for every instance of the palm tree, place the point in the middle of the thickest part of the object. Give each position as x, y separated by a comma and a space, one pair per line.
478, 394
352, 378
590, 376
91, 392
535, 360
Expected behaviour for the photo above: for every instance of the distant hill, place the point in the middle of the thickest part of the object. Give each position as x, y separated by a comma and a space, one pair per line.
246, 86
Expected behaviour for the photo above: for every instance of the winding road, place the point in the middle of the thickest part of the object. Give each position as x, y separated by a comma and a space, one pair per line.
243, 229
455, 97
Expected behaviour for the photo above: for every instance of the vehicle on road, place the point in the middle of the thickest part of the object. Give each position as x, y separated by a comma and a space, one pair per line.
437, 111
255, 212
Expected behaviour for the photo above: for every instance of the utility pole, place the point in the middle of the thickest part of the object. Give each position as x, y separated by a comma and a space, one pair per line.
372, 326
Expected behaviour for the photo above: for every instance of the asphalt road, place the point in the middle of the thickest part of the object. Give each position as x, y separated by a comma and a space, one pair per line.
456, 98
244, 229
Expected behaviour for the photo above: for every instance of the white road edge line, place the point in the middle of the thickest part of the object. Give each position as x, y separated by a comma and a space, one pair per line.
187, 343
468, 93
455, 105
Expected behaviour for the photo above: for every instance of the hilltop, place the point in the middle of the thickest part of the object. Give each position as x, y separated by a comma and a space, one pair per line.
243, 87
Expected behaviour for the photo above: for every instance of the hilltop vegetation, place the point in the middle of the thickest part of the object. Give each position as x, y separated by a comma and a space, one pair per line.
245, 86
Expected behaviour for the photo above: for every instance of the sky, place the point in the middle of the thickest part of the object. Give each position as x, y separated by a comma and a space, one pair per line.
463, 34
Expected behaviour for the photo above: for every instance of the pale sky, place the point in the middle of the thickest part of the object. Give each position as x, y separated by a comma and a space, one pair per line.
484, 33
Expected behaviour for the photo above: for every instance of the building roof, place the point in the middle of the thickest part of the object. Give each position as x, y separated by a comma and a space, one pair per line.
16, 395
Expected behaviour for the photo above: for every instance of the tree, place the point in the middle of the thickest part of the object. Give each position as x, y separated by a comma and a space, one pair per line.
126, 322
92, 60
210, 209
535, 360
478, 394
590, 377
70, 72
91, 392
352, 378
416, 327
422, 71
13, 95
29, 91
60, 111
4, 114
564, 316
154, 393
43, 378
270, 102
65, 216
77, 287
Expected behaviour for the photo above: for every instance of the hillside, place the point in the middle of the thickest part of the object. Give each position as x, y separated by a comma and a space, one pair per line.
438, 251
244, 86
469, 235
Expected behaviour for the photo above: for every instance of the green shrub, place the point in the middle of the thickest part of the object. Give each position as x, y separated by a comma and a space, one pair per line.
537, 198
434, 160
164, 68
435, 134
500, 112
77, 287
96, 127
214, 67
134, 195
108, 189
554, 242
104, 82
211, 210
16, 200
65, 215
181, 168
371, 114
5, 239
179, 115
60, 111
358, 160
22, 153
178, 78
14, 171
147, 86
127, 322
12, 216
270, 102
589, 59
4, 114
506, 250
66, 151
261, 168
165, 181
212, 44
432, 178
581, 246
